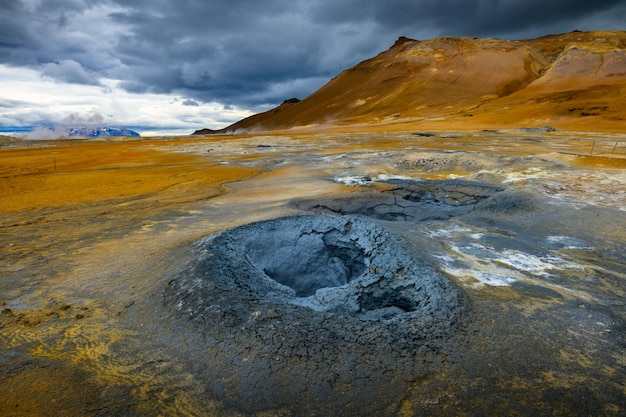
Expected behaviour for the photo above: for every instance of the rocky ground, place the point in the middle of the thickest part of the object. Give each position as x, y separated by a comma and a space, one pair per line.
417, 273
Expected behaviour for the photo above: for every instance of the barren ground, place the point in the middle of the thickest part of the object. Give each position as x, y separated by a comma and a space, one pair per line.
529, 225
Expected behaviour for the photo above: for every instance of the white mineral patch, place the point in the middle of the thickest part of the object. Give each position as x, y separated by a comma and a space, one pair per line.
539, 265
495, 280
364, 179
500, 268
513, 177
386, 177
450, 230
353, 180
495, 276
568, 242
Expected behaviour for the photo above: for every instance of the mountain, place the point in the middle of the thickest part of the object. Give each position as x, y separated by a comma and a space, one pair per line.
575, 80
252, 122
99, 132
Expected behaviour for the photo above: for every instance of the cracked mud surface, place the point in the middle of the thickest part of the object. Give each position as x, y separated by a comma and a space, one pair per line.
105, 309
411, 200
309, 307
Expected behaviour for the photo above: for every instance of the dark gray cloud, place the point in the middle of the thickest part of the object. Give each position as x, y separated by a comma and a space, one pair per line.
252, 53
190, 102
69, 71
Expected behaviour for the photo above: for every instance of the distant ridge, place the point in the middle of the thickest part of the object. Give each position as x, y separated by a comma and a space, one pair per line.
250, 122
572, 80
99, 132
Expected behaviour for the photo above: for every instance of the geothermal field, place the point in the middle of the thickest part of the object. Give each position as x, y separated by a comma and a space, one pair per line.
320, 274
383, 265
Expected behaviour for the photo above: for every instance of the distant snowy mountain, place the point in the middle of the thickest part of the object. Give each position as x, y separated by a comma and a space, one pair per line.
99, 132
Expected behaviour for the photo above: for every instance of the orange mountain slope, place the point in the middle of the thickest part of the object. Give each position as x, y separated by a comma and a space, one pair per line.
574, 81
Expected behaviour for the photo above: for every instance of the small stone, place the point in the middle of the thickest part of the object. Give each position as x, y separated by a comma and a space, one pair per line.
272, 314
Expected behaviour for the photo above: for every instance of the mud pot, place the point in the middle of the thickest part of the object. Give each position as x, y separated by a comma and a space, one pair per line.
404, 274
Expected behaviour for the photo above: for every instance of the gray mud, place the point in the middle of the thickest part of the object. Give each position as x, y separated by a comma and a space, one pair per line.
409, 200
313, 313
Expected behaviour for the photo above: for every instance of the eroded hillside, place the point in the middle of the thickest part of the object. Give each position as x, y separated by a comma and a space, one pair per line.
575, 81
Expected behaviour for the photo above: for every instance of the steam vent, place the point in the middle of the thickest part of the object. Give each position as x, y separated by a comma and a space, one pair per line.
298, 309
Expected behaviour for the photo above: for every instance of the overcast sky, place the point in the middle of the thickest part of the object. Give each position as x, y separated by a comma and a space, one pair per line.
180, 65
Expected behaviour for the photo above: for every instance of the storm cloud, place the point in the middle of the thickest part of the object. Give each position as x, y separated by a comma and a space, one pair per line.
252, 54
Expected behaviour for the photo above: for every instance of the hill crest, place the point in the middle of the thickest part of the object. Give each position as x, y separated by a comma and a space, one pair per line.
571, 80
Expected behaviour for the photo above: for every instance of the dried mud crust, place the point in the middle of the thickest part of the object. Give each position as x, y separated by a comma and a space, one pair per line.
420, 200
286, 312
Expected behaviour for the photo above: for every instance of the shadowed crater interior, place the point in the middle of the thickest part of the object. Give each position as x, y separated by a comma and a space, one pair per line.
307, 260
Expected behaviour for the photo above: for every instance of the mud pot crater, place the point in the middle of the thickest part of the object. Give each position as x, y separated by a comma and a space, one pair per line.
342, 265
298, 308
406, 199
